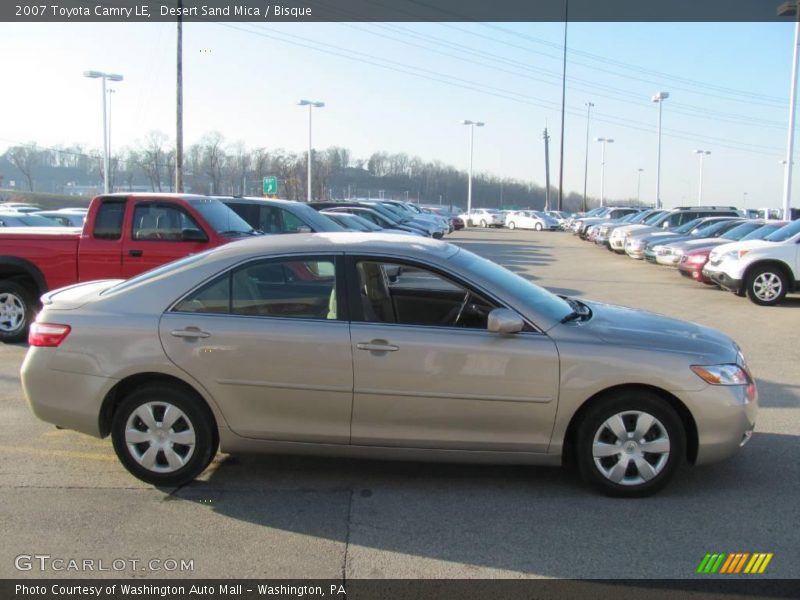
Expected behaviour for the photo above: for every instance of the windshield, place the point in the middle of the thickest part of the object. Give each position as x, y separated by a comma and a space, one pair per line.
763, 231
219, 216
712, 228
653, 218
784, 233
317, 221
539, 299
687, 227
738, 232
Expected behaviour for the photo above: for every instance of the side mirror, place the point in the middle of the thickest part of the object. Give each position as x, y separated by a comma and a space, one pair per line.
193, 235
502, 320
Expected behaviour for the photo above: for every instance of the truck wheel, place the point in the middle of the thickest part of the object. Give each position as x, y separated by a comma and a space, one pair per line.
17, 310
766, 286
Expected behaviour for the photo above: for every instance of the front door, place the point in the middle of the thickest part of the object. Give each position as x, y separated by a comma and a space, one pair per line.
428, 374
268, 342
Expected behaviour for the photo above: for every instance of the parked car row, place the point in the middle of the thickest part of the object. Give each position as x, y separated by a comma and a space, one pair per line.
17, 214
538, 220
714, 245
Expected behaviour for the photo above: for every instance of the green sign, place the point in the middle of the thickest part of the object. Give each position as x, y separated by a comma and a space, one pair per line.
270, 185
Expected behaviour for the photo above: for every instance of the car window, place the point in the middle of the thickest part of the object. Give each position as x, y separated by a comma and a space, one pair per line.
294, 288
410, 295
292, 223
212, 298
785, 232
108, 222
161, 223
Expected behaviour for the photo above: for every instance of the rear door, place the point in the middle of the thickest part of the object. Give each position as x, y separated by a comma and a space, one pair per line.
159, 232
270, 341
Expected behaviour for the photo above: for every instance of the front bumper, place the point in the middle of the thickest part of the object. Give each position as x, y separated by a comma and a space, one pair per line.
636, 252
668, 260
725, 419
724, 280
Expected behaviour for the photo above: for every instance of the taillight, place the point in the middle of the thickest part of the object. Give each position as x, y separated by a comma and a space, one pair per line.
47, 334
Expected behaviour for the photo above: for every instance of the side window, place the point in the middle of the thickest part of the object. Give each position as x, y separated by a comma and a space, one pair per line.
159, 222
270, 219
108, 222
409, 295
291, 223
212, 298
294, 288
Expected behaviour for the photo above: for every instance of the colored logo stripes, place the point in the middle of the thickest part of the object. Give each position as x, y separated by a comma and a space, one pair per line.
734, 562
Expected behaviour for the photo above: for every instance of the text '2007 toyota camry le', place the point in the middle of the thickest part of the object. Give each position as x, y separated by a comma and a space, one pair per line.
381, 346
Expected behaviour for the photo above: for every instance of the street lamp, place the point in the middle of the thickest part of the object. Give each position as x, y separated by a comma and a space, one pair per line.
104, 77
472, 126
311, 104
702, 154
639, 185
589, 106
603, 141
790, 9
659, 99
110, 92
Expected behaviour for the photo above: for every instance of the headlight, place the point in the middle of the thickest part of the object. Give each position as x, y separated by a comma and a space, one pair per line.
697, 259
722, 374
734, 254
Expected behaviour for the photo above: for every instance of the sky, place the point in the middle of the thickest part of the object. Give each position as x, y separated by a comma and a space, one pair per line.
405, 87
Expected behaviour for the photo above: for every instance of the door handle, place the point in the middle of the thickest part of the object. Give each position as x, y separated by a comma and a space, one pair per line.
135, 252
377, 346
189, 333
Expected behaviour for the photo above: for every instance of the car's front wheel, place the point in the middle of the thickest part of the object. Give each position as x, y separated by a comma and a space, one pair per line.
630, 444
163, 435
483, 223
511, 225
766, 286
538, 227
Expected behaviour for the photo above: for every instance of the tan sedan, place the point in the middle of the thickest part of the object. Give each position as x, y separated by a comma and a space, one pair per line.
380, 346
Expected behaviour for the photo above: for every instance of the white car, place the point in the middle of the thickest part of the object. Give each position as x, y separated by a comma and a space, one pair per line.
766, 270
483, 217
530, 219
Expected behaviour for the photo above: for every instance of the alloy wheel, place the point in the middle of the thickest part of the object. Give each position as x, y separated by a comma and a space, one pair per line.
767, 286
12, 312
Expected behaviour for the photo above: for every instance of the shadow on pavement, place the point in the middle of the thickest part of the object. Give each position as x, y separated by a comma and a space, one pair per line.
531, 520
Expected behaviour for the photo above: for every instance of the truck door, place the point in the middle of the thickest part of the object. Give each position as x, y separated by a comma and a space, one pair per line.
160, 232
100, 248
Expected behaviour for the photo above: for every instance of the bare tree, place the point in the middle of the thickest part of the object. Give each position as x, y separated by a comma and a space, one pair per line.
152, 157
24, 158
212, 159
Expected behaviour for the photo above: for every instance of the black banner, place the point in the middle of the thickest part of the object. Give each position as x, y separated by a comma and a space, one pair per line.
713, 588
391, 10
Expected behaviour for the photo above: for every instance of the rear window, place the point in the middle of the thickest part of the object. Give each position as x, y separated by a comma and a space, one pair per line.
108, 222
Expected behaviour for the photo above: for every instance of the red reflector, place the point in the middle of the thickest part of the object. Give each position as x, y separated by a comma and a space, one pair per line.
47, 334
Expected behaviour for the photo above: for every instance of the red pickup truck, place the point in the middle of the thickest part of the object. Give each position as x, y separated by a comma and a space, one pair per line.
124, 235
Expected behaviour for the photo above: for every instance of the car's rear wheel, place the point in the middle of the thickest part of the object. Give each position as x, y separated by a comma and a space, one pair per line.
511, 225
163, 435
766, 286
538, 227
630, 444
483, 223
17, 310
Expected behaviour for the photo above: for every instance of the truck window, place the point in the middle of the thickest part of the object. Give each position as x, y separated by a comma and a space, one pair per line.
108, 223
159, 222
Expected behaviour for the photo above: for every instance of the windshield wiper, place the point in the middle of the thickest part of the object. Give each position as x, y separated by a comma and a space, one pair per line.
579, 311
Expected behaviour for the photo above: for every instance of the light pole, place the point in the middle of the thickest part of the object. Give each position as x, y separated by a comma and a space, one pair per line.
472, 126
589, 106
659, 99
603, 141
104, 77
702, 154
110, 92
639, 185
790, 9
311, 104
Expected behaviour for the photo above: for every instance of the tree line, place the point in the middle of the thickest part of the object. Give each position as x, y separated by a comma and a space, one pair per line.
215, 166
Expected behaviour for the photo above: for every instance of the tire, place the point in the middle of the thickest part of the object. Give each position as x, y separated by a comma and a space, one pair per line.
17, 311
766, 285
666, 434
538, 227
483, 223
193, 417
511, 225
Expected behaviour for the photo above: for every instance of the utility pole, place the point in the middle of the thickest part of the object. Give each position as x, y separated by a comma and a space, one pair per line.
589, 106
546, 138
563, 111
179, 107
791, 9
